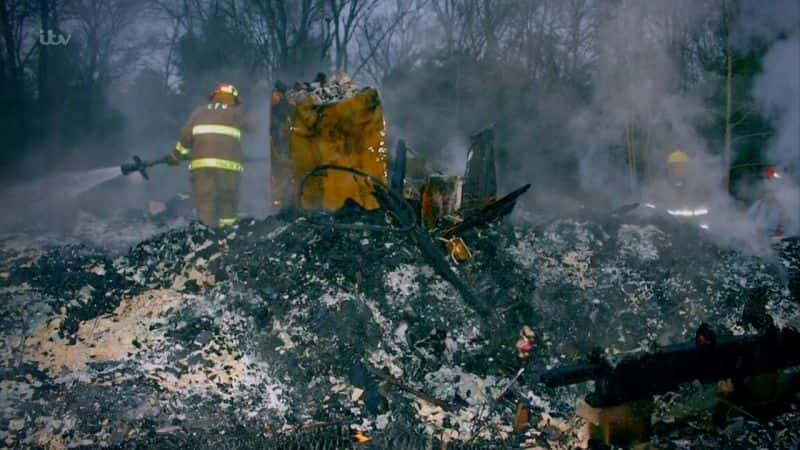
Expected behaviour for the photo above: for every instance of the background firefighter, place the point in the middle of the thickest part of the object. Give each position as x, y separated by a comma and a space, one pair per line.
210, 141
767, 214
685, 189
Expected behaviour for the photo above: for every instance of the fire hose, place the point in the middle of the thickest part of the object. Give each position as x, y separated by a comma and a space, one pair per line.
389, 201
140, 165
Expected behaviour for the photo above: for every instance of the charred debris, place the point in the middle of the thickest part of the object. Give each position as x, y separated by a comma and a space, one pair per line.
390, 308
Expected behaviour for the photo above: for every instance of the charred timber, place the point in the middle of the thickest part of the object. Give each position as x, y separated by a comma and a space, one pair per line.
488, 214
708, 359
397, 174
480, 178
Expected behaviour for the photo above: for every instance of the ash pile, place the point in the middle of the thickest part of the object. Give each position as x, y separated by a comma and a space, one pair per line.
282, 334
324, 90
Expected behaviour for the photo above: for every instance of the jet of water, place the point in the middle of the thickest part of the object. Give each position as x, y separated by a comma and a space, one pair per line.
51, 192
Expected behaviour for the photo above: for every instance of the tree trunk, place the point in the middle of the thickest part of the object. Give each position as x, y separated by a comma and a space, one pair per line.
727, 158
16, 88
43, 72
631, 157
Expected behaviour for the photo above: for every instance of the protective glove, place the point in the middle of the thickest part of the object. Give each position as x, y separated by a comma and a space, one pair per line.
173, 160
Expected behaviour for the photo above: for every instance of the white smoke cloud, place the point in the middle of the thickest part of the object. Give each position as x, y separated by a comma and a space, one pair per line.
637, 83
762, 21
777, 91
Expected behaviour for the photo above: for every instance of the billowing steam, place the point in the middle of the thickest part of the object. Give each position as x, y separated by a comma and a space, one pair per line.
777, 91
639, 111
596, 135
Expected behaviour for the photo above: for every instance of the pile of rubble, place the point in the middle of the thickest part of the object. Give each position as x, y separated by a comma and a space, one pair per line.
324, 90
279, 330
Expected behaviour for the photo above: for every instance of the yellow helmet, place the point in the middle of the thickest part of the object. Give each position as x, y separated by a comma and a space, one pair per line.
678, 157
226, 93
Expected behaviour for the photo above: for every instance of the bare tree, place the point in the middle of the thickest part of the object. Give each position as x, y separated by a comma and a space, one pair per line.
291, 36
390, 38
180, 15
111, 44
345, 17
728, 143
18, 45
475, 28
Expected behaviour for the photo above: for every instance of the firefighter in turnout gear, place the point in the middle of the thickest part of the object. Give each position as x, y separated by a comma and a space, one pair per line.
678, 170
684, 193
768, 214
210, 141
683, 186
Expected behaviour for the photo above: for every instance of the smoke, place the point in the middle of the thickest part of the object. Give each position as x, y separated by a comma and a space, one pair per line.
777, 91
564, 117
638, 103
256, 189
764, 22
454, 156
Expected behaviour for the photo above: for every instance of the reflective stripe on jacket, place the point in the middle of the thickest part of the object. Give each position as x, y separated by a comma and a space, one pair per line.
223, 130
215, 163
211, 138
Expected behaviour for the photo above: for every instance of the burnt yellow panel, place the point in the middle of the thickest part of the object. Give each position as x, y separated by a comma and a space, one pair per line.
348, 133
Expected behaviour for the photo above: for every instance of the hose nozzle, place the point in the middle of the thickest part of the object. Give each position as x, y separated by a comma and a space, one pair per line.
140, 165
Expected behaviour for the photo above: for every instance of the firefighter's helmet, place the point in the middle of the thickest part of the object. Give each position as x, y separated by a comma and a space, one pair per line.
772, 173
678, 157
225, 93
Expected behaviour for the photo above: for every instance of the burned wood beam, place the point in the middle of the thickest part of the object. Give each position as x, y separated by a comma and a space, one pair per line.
488, 213
480, 178
398, 169
708, 359
388, 378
